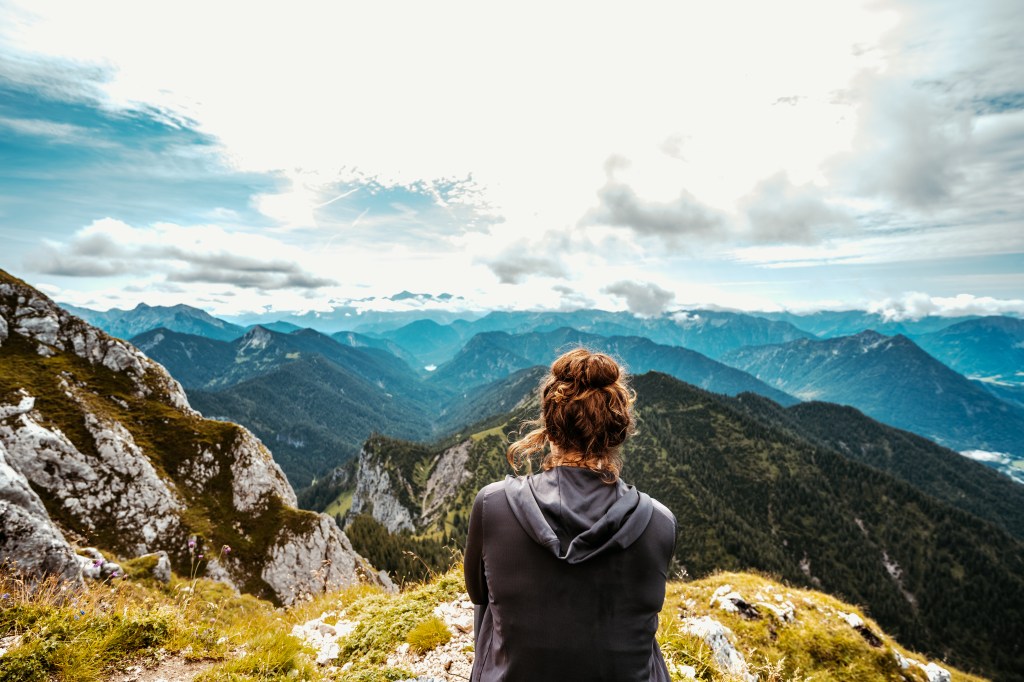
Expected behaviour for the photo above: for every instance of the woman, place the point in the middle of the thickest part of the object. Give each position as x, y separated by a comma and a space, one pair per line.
568, 566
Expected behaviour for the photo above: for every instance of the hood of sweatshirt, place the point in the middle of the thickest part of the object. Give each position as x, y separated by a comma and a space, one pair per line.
575, 514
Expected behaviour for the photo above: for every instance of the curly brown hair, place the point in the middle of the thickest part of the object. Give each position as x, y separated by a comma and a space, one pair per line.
586, 413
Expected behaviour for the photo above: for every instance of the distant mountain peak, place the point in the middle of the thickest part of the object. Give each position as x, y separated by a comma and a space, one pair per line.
257, 338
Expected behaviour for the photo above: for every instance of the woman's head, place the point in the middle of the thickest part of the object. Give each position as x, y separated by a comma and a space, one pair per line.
586, 414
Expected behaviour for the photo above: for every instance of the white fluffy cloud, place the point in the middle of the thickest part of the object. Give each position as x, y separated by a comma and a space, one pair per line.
914, 305
642, 298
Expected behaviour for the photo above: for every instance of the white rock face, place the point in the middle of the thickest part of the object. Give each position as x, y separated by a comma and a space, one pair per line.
116, 488
933, 671
719, 639
852, 619
936, 673
162, 570
14, 488
374, 490
29, 537
39, 319
255, 475
35, 545
323, 636
449, 473
307, 563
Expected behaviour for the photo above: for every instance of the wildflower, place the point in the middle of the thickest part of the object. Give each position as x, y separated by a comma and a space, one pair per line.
81, 612
200, 556
5, 595
226, 549
191, 544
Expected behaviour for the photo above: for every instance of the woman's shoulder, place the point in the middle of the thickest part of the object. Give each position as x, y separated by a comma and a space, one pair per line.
490, 489
664, 512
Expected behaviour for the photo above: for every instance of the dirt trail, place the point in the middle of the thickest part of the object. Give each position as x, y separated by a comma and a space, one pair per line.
170, 669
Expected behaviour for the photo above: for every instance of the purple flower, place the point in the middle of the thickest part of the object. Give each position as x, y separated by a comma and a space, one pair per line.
200, 556
226, 549
192, 543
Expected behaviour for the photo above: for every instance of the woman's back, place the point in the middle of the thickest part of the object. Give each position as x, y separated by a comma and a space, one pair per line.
572, 571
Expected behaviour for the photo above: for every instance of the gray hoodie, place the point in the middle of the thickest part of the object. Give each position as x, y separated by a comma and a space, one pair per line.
569, 574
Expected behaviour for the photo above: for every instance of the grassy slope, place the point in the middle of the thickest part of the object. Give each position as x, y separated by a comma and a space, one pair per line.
88, 635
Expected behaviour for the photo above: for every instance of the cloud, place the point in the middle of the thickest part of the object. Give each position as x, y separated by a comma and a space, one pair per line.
914, 305
203, 253
53, 131
642, 298
265, 278
781, 212
911, 145
515, 267
570, 299
672, 221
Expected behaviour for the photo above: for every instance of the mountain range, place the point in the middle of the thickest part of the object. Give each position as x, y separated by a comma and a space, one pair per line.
316, 399
894, 381
125, 324
458, 355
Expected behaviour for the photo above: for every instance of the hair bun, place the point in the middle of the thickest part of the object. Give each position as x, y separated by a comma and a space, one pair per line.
586, 370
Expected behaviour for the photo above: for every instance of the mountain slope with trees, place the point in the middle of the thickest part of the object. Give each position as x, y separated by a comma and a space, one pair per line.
891, 379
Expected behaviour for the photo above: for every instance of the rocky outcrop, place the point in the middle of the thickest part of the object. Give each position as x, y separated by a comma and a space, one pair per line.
719, 640
99, 443
116, 486
397, 503
35, 317
449, 474
29, 542
255, 476
321, 547
375, 494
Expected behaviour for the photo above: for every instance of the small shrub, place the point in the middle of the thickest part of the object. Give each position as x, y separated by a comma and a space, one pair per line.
428, 635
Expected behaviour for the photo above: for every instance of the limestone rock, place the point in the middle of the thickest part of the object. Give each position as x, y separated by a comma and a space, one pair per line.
116, 488
448, 475
375, 492
162, 569
313, 560
34, 546
256, 476
29, 313
28, 538
15, 489
719, 639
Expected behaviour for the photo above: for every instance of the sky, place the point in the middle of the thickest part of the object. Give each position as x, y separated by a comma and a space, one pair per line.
648, 156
